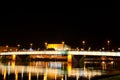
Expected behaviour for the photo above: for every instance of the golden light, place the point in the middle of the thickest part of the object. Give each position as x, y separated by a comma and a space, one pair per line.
83, 42
63, 42
111, 62
69, 67
18, 45
13, 57
45, 43
31, 44
62, 78
103, 48
16, 75
103, 62
5, 74
108, 41
13, 64
45, 76
29, 76
6, 46
69, 58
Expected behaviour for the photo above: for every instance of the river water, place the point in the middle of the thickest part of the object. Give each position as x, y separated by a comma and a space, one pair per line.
57, 70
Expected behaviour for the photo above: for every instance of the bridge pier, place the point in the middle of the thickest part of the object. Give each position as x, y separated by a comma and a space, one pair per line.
69, 67
14, 57
69, 58
77, 59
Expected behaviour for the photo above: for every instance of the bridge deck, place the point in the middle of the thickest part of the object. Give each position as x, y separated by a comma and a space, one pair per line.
92, 53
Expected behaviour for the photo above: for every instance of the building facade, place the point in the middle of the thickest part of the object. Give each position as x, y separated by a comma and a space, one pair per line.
58, 46
6, 48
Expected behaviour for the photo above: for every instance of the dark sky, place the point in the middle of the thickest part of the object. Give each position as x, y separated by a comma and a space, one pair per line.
26, 25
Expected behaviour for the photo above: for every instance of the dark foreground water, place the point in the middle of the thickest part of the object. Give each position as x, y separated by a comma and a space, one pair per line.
57, 70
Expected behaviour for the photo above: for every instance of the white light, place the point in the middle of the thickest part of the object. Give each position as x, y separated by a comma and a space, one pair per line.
103, 62
112, 62
97, 53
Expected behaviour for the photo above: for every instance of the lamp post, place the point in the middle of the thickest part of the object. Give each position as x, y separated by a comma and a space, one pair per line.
45, 45
108, 44
83, 43
31, 44
18, 46
103, 48
63, 44
7, 47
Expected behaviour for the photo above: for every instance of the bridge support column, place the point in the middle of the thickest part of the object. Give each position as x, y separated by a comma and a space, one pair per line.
13, 57
69, 67
69, 58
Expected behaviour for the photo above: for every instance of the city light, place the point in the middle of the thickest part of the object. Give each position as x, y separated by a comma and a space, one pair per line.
92, 53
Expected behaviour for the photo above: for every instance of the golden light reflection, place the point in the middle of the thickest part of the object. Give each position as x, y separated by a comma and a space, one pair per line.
29, 76
16, 75
104, 66
69, 57
13, 64
37, 75
46, 72
69, 67
112, 62
4, 74
6, 46
62, 78
45, 77
13, 57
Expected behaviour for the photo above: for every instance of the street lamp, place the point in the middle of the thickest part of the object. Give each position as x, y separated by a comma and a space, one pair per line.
45, 45
103, 48
63, 44
108, 43
18, 46
83, 43
7, 47
31, 44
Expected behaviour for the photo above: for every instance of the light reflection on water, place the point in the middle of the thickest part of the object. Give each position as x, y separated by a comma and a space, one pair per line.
42, 70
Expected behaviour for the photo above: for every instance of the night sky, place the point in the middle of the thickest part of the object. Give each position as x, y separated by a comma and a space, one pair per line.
26, 25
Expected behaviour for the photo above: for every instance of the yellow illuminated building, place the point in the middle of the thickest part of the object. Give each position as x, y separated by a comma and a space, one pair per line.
58, 46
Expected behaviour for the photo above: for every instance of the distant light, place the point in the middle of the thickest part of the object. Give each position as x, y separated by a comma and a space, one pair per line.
103, 62
118, 48
113, 50
82, 49
103, 48
83, 42
112, 62
89, 48
108, 41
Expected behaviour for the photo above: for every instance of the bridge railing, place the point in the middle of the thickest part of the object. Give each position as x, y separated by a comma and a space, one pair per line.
92, 53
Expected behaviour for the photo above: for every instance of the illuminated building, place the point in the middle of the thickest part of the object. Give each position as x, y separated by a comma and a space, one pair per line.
7, 48
58, 46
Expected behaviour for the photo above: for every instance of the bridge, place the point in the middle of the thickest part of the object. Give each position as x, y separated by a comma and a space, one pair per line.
91, 53
69, 54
